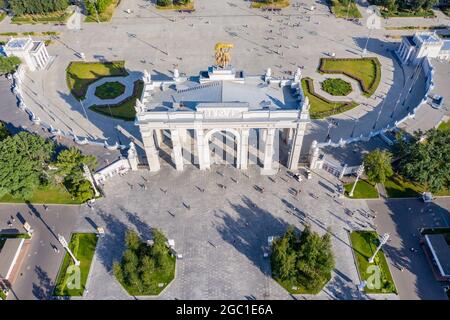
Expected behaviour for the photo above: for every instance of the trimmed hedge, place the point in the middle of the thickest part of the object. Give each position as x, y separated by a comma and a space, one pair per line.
368, 91
341, 106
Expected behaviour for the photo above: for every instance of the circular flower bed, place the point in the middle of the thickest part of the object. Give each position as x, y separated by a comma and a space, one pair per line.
110, 90
336, 87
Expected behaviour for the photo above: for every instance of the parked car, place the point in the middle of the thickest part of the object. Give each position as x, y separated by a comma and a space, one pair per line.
308, 174
427, 197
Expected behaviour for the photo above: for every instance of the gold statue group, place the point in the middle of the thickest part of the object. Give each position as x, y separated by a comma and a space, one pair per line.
223, 56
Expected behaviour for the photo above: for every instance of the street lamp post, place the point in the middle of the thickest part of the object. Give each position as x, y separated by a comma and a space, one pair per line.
383, 240
63, 242
348, 8
359, 172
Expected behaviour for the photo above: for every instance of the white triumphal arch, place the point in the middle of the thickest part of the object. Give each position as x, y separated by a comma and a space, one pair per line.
190, 111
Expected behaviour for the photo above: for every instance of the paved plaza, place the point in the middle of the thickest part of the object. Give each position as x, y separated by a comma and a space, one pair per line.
222, 233
283, 42
220, 219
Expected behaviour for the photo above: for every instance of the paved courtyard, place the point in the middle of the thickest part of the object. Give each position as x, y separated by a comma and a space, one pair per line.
223, 236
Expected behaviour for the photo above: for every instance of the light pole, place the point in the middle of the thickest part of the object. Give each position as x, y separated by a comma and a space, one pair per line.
373, 22
63, 242
348, 8
359, 172
383, 240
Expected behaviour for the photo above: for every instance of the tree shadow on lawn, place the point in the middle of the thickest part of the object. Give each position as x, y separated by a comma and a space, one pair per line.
249, 229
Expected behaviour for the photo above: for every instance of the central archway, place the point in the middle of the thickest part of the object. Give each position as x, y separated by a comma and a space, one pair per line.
213, 148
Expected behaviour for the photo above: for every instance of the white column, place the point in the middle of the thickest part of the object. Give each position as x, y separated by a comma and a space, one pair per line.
296, 147
201, 146
268, 151
177, 154
183, 134
150, 150
159, 137
244, 149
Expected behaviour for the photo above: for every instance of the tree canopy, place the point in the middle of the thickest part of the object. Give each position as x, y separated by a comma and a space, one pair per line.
28, 162
412, 5
23, 157
21, 7
9, 64
378, 166
306, 259
426, 159
143, 266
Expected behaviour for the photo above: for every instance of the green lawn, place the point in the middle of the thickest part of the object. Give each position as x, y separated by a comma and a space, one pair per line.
408, 14
289, 284
45, 195
52, 17
444, 126
321, 107
80, 75
159, 276
83, 247
106, 15
364, 244
110, 90
398, 186
2, 16
187, 6
344, 11
367, 71
336, 87
363, 190
125, 110
257, 4
446, 11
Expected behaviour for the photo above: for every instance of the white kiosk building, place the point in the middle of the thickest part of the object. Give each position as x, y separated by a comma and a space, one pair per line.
33, 53
423, 44
254, 116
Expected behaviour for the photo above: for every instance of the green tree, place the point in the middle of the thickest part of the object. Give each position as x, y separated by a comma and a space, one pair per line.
21, 7
427, 159
378, 166
3, 131
23, 159
132, 241
72, 159
163, 3
9, 64
315, 259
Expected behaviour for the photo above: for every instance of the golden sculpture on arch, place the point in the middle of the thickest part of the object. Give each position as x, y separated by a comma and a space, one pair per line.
223, 56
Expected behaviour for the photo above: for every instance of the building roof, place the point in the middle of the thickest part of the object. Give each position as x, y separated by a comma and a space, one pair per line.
8, 254
441, 252
446, 45
254, 93
427, 37
17, 43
